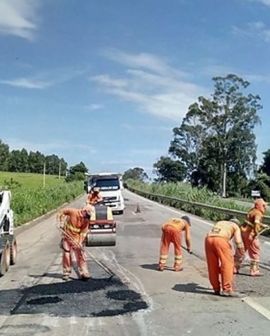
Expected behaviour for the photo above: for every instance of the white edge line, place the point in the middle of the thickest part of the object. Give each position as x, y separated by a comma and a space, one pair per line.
256, 306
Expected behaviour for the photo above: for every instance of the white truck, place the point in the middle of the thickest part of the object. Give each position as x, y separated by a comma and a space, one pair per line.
8, 244
110, 186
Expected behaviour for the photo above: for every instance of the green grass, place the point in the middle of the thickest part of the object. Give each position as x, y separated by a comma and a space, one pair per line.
186, 192
31, 181
31, 199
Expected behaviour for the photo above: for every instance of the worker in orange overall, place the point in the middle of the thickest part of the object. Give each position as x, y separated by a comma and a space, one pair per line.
171, 233
94, 196
219, 255
74, 224
250, 231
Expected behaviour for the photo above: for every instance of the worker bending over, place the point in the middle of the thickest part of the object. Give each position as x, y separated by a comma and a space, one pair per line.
94, 196
250, 231
219, 255
74, 224
171, 233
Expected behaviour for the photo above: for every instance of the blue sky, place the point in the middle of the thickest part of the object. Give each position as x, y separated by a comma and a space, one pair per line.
105, 81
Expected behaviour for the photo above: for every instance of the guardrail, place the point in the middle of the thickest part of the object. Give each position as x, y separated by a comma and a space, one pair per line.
172, 201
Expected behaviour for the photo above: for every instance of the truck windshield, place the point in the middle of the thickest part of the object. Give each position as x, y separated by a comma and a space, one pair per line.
107, 184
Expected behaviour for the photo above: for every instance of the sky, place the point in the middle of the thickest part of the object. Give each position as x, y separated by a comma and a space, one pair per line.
105, 81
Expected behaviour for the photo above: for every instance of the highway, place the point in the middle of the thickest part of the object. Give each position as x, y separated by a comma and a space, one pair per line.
126, 294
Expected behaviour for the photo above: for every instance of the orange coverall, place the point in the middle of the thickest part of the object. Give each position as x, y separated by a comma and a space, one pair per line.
75, 230
250, 230
94, 198
219, 254
171, 233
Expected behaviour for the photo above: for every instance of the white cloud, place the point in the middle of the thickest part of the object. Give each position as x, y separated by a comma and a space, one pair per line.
94, 107
19, 18
149, 82
256, 29
43, 80
26, 83
264, 2
148, 128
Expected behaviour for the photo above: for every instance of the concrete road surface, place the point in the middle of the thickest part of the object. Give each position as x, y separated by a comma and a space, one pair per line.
126, 294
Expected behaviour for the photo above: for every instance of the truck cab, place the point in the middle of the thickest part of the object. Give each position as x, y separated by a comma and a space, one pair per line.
110, 186
8, 243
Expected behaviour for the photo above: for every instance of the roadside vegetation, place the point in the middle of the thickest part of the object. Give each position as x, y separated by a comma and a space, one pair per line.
214, 146
31, 198
186, 192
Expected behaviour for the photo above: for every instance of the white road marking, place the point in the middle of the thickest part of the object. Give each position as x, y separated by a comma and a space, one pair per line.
50, 321
256, 306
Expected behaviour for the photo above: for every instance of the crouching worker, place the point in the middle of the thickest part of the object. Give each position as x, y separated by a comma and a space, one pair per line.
171, 233
74, 224
219, 255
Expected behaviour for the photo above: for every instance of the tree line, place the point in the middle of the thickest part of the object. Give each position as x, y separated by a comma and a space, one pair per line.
30, 162
215, 144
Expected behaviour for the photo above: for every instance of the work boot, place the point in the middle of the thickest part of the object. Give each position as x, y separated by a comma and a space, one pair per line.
232, 294
254, 269
255, 273
178, 268
65, 277
235, 270
85, 277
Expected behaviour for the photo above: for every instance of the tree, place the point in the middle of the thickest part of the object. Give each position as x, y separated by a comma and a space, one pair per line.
217, 135
18, 161
265, 168
135, 174
36, 162
169, 170
4, 154
77, 172
55, 166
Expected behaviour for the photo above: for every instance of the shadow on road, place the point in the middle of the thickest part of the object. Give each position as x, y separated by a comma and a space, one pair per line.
150, 266
192, 287
46, 275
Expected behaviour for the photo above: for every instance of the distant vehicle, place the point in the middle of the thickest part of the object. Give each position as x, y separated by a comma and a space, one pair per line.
110, 186
8, 243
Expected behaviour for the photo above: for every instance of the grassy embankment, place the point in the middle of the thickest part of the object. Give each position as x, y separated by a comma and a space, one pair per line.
31, 199
184, 191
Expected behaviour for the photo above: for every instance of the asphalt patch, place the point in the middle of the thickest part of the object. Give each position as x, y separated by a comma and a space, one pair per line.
96, 297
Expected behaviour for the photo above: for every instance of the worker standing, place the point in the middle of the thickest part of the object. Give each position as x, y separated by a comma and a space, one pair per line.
250, 234
74, 226
219, 255
171, 233
94, 196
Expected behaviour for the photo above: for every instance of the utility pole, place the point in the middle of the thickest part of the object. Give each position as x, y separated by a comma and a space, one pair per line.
44, 174
59, 172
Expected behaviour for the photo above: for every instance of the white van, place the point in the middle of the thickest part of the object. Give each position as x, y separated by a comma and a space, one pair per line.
110, 186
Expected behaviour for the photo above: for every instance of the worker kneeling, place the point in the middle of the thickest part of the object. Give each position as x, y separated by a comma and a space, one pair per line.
219, 255
74, 225
171, 233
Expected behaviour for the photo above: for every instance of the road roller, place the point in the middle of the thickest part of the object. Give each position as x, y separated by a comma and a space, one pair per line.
102, 229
